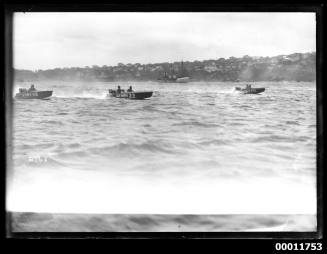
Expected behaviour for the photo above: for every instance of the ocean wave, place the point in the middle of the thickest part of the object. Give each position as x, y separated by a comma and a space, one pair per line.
196, 123
151, 108
124, 149
52, 122
73, 154
74, 145
213, 142
26, 147
121, 150
278, 138
292, 122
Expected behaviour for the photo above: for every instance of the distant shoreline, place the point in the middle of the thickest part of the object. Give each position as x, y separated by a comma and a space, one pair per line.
298, 67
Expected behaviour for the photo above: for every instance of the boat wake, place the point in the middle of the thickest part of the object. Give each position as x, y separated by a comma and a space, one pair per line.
83, 94
235, 91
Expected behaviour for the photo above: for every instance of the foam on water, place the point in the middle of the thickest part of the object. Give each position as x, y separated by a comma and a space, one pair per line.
82, 94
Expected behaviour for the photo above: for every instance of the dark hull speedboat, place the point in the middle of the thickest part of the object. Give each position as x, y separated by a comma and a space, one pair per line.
250, 90
130, 95
34, 95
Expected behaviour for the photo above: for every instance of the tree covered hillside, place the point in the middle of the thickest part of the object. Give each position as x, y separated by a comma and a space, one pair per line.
294, 67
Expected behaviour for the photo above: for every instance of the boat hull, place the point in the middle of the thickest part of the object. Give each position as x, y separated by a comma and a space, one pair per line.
250, 90
34, 95
131, 95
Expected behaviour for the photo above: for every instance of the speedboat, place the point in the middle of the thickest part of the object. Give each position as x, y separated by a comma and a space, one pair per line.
130, 95
25, 94
250, 90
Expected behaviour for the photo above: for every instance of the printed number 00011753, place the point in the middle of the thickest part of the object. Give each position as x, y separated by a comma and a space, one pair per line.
298, 246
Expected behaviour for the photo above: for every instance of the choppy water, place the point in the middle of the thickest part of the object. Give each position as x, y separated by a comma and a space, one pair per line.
196, 148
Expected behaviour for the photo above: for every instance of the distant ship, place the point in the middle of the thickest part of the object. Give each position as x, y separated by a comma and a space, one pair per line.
173, 77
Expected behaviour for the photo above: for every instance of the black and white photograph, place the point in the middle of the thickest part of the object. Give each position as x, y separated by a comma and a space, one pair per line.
163, 122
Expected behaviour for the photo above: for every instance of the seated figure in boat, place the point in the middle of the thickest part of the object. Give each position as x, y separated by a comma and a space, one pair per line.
32, 88
118, 90
248, 87
130, 89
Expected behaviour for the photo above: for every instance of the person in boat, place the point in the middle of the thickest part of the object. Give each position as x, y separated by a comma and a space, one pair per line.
118, 90
32, 88
248, 87
130, 89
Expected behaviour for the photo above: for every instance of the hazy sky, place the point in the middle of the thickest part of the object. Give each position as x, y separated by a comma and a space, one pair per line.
50, 40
